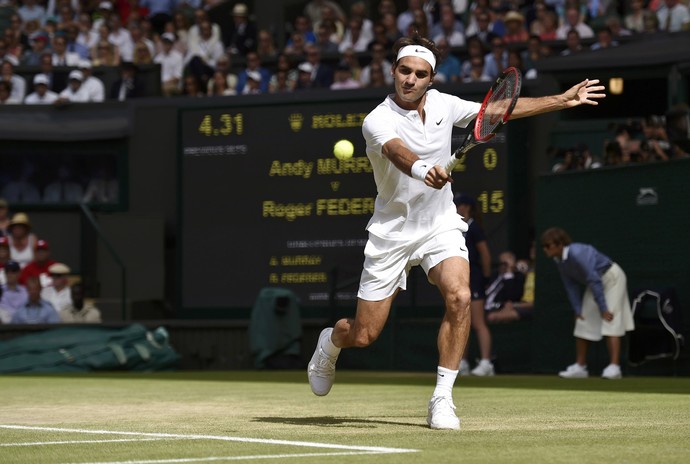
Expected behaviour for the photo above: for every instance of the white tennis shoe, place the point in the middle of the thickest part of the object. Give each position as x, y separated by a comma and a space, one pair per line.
464, 368
574, 371
484, 369
612, 371
441, 414
321, 370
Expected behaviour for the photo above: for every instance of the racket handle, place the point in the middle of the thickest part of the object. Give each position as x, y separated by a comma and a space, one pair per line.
451, 164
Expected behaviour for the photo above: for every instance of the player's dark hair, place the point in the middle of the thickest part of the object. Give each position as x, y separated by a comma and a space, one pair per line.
417, 40
555, 235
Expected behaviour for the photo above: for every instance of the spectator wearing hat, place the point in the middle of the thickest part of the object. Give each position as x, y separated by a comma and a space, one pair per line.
129, 85
38, 42
515, 28
93, 86
304, 72
81, 310
18, 83
172, 65
41, 94
14, 295
75, 91
252, 85
36, 310
4, 216
58, 293
4, 258
253, 64
102, 14
240, 37
39, 266
22, 240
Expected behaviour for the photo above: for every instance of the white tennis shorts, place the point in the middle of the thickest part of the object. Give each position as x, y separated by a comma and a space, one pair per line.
387, 263
594, 327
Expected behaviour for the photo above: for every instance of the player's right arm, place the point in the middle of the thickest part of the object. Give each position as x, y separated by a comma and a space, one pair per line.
404, 159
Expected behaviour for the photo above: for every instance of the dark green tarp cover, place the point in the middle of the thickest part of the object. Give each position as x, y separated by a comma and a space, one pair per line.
89, 348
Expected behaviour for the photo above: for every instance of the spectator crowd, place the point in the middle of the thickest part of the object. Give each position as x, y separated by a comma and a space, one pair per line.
34, 287
214, 47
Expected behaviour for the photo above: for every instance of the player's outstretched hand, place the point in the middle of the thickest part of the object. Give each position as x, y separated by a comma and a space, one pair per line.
437, 177
586, 92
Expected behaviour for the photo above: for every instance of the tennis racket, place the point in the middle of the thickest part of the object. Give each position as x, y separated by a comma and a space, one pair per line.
495, 111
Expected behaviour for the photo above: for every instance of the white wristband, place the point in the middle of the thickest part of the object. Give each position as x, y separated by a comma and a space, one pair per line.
420, 169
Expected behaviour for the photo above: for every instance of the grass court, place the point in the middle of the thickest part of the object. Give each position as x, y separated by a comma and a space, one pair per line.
369, 417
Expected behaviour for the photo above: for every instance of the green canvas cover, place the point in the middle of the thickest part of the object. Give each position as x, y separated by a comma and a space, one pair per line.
89, 348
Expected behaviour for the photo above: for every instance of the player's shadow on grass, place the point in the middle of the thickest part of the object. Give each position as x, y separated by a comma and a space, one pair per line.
331, 421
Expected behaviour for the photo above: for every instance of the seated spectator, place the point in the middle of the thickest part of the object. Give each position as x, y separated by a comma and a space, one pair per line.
224, 65
36, 310
476, 71
573, 20
343, 78
75, 92
302, 30
358, 10
62, 57
322, 73
497, 59
378, 59
80, 311
191, 87
285, 77
673, 16
4, 258
449, 68
350, 58
515, 28
335, 21
266, 46
105, 54
14, 295
129, 85
323, 41
573, 43
172, 64
354, 38
522, 309
449, 28
604, 39
63, 189
507, 284
38, 41
253, 65
58, 292
220, 86
103, 186
634, 18
241, 36
93, 86
17, 82
41, 94
22, 240
31, 9
304, 72
39, 266
4, 216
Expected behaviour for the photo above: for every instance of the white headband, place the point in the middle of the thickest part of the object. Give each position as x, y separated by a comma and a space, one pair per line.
418, 51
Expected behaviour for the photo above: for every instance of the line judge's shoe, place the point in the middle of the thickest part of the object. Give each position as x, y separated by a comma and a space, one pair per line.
321, 369
612, 371
442, 414
574, 371
464, 368
484, 369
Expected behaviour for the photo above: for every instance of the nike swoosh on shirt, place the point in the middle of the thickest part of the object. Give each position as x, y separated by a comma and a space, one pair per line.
439, 121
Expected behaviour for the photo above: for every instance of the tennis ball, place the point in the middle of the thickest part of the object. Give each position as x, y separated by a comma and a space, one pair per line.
343, 149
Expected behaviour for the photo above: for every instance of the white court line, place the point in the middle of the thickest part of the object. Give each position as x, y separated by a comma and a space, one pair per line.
267, 441
236, 458
77, 442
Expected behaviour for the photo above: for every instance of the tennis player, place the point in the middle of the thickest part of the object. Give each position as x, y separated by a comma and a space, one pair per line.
408, 139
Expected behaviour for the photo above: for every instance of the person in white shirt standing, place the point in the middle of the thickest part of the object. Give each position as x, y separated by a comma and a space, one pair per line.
408, 142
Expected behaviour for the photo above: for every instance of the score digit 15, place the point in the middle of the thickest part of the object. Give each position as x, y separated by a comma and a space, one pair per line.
492, 201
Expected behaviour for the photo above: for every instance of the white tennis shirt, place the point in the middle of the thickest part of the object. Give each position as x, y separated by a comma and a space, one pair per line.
406, 208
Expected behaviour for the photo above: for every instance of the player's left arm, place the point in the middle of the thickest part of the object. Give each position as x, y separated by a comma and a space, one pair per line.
586, 92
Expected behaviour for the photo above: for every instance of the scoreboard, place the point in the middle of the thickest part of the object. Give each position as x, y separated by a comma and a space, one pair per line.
264, 202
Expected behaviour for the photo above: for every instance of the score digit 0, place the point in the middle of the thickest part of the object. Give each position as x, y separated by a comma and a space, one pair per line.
490, 159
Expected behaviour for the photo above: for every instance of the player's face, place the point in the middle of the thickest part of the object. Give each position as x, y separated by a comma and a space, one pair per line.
412, 77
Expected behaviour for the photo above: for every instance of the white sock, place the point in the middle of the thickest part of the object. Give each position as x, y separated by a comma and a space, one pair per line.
329, 348
445, 379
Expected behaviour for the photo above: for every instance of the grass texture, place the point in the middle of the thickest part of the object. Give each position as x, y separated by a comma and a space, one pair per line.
369, 417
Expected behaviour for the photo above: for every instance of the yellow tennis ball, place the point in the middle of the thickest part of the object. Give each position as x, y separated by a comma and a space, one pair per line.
343, 149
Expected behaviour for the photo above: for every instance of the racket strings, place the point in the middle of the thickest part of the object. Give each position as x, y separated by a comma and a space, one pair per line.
499, 105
